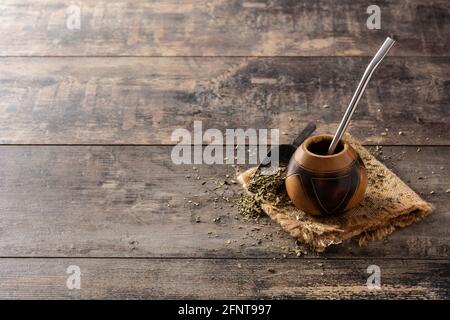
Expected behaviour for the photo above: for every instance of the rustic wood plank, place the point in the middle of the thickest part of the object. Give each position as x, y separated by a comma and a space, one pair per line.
141, 101
221, 28
132, 201
226, 279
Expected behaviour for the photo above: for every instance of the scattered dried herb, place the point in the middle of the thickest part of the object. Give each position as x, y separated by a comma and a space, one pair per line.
249, 207
269, 188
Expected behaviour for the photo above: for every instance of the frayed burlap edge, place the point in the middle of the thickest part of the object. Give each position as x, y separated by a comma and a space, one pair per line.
319, 240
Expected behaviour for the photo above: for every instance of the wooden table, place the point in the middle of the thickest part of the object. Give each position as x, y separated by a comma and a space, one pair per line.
86, 177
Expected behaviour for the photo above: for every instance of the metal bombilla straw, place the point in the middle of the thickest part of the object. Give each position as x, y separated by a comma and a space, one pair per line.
382, 52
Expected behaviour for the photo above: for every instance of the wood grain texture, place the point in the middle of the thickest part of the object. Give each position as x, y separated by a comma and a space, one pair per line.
141, 227
132, 201
221, 28
141, 101
226, 279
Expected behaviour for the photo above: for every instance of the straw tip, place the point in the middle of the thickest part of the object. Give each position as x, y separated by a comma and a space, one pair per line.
391, 38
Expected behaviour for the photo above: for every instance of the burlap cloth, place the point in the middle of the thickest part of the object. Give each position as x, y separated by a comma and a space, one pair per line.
388, 204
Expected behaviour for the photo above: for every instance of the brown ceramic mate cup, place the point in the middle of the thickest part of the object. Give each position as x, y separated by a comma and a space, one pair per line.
322, 184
